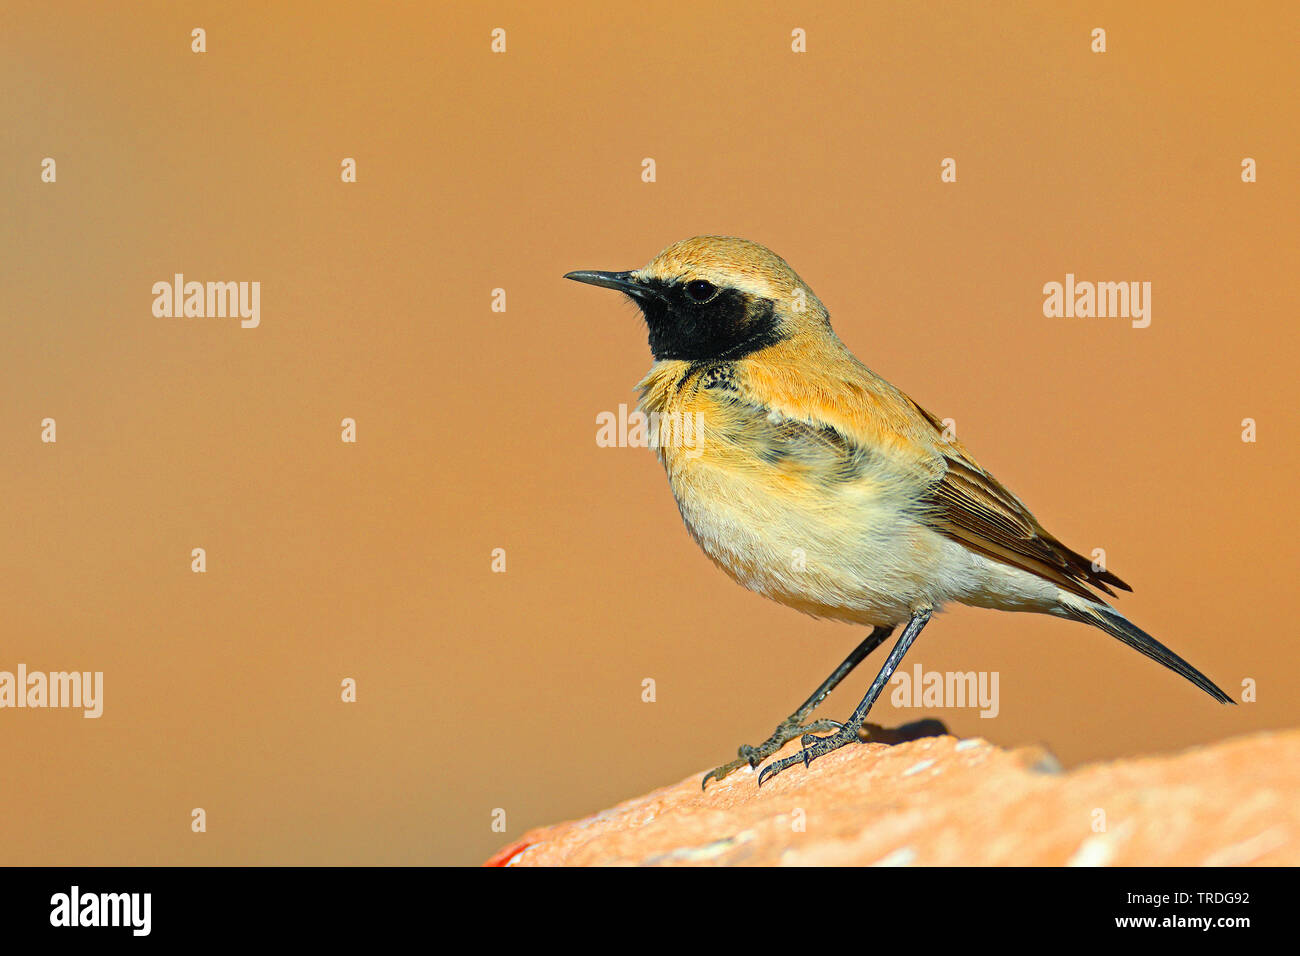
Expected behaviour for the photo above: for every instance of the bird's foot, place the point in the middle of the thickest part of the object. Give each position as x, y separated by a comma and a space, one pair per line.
788, 730
813, 747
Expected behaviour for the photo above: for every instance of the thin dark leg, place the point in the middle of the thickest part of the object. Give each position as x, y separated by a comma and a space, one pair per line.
814, 747
793, 726
873, 640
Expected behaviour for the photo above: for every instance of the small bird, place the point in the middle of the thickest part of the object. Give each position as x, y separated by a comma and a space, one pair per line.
811, 480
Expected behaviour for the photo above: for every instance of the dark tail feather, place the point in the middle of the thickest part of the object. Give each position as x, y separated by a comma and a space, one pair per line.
1116, 625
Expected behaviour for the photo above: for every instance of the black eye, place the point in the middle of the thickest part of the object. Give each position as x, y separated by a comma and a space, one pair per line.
700, 291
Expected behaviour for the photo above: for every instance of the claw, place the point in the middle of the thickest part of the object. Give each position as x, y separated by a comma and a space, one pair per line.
812, 748
772, 769
754, 756
720, 773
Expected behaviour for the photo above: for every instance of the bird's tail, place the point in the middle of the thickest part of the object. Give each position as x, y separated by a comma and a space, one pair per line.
1116, 625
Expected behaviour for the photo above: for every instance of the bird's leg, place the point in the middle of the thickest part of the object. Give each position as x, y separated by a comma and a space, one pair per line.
814, 747
794, 726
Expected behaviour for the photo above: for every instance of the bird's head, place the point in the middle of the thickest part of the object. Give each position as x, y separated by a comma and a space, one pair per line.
716, 298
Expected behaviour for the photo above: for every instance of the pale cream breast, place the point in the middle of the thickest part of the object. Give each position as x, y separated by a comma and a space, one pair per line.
781, 525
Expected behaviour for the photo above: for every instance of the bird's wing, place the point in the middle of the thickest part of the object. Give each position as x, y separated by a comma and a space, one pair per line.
972, 507
847, 415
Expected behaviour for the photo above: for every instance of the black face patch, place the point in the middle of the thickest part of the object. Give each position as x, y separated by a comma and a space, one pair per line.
729, 324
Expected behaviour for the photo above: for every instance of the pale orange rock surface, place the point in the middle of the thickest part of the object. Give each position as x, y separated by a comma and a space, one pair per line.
944, 801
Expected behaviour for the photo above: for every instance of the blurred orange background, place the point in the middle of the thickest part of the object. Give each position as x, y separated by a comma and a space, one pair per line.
476, 429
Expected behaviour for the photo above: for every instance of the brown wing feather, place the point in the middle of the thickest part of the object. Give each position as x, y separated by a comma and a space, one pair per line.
971, 506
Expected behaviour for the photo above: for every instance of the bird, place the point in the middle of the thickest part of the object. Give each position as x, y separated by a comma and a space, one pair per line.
813, 481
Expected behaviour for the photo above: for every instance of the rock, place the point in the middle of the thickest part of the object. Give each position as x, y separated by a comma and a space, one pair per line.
943, 801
